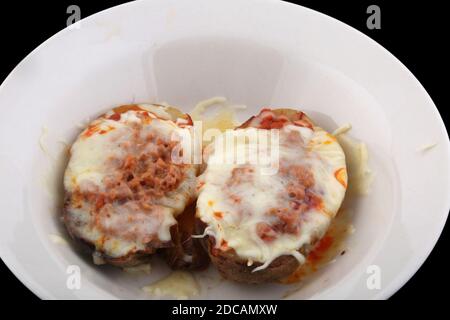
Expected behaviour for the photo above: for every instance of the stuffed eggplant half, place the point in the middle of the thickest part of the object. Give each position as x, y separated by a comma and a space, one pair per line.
259, 219
123, 192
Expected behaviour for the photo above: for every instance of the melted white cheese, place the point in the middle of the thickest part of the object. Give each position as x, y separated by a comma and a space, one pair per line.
360, 175
224, 118
319, 151
57, 239
179, 284
88, 167
90, 154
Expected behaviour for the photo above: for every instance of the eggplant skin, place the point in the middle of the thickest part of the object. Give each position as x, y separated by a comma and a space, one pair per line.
183, 247
187, 253
232, 267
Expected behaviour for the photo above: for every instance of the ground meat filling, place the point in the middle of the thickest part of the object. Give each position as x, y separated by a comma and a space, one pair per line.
143, 176
298, 196
126, 205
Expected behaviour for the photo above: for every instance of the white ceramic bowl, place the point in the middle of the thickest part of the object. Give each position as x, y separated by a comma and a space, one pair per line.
255, 52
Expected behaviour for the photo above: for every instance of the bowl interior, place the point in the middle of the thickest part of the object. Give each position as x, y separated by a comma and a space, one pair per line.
151, 52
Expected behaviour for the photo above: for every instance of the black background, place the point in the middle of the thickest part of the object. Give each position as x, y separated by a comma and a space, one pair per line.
415, 32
